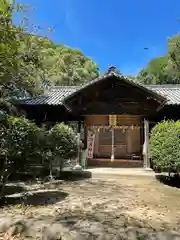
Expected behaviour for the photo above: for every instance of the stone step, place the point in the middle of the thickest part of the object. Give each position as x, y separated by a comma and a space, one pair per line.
124, 163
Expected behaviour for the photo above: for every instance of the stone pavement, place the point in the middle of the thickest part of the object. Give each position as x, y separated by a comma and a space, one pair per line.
121, 172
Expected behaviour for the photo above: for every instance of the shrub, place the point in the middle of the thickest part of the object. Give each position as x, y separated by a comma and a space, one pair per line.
23, 143
19, 140
165, 146
62, 142
23, 139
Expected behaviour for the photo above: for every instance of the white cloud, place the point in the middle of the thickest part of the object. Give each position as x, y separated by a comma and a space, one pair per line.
71, 17
76, 24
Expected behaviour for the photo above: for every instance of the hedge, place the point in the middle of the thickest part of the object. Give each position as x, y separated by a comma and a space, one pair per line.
165, 146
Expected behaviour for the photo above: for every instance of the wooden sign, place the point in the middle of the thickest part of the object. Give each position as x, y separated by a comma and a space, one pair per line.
90, 144
112, 120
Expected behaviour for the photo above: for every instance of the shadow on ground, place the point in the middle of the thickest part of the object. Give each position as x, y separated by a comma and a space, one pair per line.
74, 175
36, 198
104, 225
80, 225
173, 181
12, 189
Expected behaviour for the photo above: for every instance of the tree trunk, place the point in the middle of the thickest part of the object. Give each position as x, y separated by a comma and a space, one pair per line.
4, 177
3, 184
61, 165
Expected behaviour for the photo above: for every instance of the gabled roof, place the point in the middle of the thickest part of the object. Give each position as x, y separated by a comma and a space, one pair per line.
57, 95
112, 74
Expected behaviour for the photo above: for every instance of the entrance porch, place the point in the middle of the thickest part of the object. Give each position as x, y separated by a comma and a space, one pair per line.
120, 145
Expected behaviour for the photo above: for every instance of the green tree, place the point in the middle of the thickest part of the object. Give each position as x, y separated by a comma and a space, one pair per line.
32, 69
55, 64
66, 66
164, 69
155, 72
9, 47
173, 67
20, 67
31, 63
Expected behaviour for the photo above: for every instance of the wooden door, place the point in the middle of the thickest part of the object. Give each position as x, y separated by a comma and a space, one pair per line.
105, 143
134, 141
120, 143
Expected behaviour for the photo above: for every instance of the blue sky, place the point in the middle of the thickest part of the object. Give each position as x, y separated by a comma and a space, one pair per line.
110, 32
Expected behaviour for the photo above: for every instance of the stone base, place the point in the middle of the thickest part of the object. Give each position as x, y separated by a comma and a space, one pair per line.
148, 169
78, 167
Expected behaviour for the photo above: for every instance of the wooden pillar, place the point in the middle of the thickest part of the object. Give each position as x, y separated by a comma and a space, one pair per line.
78, 159
146, 144
96, 143
79, 126
112, 151
79, 142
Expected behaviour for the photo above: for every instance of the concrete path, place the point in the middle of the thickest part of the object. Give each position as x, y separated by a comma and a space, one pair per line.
121, 172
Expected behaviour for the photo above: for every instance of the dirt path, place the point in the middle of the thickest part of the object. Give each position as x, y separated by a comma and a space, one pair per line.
121, 208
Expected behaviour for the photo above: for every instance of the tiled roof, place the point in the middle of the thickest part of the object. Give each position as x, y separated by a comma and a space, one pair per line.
56, 95
169, 91
109, 75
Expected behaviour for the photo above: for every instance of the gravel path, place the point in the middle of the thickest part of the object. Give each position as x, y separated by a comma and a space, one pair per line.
122, 207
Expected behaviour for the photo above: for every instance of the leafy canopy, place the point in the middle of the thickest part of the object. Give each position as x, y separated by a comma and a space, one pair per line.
29, 63
164, 69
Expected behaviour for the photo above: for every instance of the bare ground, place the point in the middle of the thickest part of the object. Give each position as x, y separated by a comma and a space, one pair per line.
122, 207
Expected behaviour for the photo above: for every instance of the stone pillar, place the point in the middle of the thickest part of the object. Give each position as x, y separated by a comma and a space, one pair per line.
146, 144
78, 159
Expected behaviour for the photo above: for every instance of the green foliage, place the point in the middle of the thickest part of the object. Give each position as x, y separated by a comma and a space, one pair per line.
155, 72
173, 67
22, 144
63, 65
17, 76
20, 141
29, 63
62, 141
8, 47
164, 69
165, 145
